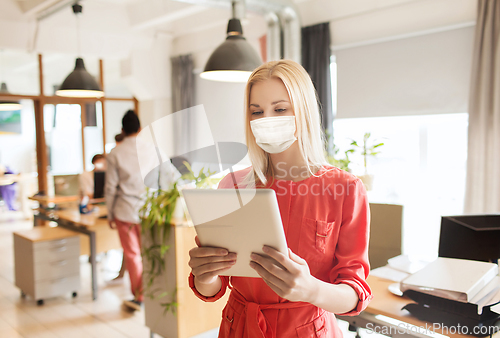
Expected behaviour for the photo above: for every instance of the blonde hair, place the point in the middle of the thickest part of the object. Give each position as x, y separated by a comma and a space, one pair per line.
304, 100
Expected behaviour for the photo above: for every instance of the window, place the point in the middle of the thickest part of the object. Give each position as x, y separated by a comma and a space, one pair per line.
63, 136
421, 166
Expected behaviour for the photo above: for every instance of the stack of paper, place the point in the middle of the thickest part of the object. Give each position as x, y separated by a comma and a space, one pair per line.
400, 267
456, 279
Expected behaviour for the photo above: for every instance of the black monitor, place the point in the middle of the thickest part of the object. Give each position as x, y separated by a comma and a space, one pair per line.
99, 181
474, 237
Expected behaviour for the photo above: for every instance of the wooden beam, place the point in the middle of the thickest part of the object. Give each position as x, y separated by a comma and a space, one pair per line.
119, 98
40, 73
83, 116
103, 111
16, 97
136, 106
61, 99
103, 108
41, 148
101, 74
77, 100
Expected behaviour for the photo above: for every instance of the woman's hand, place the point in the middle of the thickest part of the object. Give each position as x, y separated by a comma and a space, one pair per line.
292, 281
207, 262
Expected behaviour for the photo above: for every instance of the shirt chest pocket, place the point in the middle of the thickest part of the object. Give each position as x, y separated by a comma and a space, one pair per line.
318, 240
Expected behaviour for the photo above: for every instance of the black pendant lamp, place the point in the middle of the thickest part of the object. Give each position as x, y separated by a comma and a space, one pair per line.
235, 59
79, 83
7, 105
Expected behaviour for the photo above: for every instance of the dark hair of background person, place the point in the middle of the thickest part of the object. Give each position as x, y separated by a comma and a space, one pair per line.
97, 157
119, 138
130, 123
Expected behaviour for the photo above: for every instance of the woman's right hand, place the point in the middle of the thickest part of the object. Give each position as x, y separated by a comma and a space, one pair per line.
208, 262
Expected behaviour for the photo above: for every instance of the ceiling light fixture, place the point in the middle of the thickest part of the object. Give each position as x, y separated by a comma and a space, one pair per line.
8, 105
79, 83
235, 59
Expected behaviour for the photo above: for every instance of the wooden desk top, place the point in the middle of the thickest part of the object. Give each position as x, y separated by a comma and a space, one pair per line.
54, 199
84, 220
386, 303
92, 219
39, 234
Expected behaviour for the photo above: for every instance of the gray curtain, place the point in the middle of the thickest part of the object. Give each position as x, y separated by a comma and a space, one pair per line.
483, 161
316, 60
183, 97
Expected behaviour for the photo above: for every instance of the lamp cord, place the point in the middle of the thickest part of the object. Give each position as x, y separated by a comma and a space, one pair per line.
78, 36
233, 7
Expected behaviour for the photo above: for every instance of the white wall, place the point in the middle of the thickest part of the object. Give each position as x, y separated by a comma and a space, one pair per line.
148, 75
224, 106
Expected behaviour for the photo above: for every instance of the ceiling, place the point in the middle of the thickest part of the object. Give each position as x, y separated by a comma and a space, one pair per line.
114, 28
178, 18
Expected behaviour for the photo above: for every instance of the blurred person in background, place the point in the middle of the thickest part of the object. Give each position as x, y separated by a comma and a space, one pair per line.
123, 191
87, 177
8, 188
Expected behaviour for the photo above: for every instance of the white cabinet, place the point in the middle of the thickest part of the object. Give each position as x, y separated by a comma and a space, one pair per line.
46, 262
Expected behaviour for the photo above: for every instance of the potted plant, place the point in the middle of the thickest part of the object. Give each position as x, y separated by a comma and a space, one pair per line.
331, 155
341, 163
367, 148
159, 281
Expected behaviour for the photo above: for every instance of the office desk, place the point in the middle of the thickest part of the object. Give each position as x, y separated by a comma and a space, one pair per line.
387, 304
44, 200
100, 236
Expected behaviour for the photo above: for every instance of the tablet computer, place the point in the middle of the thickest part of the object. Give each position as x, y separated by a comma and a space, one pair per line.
239, 220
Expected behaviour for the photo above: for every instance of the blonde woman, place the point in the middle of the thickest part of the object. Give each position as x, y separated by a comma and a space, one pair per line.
325, 216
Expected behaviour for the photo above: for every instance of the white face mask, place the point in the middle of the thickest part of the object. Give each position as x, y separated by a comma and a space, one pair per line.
274, 134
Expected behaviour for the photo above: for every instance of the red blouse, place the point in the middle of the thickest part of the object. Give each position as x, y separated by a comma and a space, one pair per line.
326, 221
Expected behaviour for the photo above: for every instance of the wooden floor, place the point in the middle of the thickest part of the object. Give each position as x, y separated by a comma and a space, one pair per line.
64, 316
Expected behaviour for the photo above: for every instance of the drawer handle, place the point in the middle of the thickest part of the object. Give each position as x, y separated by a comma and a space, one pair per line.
60, 263
59, 249
58, 242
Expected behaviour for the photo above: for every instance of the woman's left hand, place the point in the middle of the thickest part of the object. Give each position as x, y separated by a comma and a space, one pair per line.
293, 281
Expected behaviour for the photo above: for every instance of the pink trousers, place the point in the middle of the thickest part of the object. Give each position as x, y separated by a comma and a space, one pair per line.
130, 237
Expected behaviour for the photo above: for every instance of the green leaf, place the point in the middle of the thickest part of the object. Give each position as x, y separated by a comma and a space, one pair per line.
164, 249
161, 295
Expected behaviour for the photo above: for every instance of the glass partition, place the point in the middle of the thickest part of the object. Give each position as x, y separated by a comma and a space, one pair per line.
17, 139
93, 132
63, 137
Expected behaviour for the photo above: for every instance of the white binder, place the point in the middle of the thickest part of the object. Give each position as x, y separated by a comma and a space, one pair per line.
456, 279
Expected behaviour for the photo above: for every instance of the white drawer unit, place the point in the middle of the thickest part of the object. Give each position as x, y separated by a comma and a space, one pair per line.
46, 262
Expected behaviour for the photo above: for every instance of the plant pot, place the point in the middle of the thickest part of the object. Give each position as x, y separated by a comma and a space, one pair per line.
174, 282
367, 181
